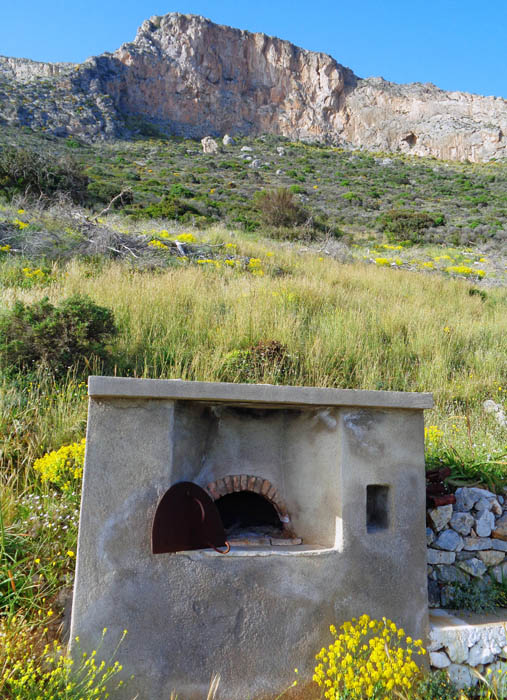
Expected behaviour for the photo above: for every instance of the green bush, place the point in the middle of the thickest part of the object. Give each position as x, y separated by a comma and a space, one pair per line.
279, 208
30, 173
406, 224
69, 335
104, 192
437, 686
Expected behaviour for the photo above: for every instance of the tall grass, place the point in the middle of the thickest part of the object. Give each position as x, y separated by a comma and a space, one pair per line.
349, 326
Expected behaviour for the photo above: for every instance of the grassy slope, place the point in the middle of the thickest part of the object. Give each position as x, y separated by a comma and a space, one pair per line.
345, 318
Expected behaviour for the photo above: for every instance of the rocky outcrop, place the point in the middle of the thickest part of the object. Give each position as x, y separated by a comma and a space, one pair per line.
188, 76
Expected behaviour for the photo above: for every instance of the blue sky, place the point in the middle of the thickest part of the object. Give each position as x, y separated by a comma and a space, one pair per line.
456, 44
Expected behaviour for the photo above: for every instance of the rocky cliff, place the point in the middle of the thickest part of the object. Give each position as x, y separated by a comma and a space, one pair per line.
188, 76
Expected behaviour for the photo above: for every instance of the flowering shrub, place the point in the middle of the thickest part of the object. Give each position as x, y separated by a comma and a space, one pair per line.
186, 238
388, 261
255, 266
464, 270
63, 467
368, 659
54, 674
158, 244
433, 434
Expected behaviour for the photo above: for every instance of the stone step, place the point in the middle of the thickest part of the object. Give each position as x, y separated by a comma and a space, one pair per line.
465, 644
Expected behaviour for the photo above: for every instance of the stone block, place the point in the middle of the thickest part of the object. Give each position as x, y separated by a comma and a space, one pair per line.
480, 653
476, 543
449, 540
450, 574
461, 676
491, 557
484, 524
474, 567
462, 522
430, 536
438, 556
499, 545
457, 649
439, 659
440, 517
500, 530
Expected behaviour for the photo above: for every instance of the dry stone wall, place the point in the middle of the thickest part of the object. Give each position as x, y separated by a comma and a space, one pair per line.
467, 540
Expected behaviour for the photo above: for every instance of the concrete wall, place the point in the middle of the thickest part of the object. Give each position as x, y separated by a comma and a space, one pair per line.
256, 613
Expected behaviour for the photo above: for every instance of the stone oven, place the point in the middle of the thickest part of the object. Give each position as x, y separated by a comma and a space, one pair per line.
227, 525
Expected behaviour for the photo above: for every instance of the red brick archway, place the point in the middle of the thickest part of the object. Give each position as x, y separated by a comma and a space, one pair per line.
246, 482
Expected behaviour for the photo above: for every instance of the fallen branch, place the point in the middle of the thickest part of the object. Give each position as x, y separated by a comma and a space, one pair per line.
114, 199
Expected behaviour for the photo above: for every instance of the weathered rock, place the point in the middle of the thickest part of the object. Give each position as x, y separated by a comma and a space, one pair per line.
484, 524
464, 500
499, 573
480, 653
256, 163
483, 504
499, 545
228, 140
496, 508
280, 150
462, 522
440, 516
246, 149
430, 536
450, 574
191, 77
477, 543
449, 540
439, 659
437, 556
474, 567
457, 649
491, 557
481, 493
461, 676
500, 531
209, 145
463, 555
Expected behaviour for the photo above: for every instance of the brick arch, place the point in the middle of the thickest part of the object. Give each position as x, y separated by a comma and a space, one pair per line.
246, 482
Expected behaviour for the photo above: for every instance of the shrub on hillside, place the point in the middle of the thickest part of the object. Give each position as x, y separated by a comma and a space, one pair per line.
265, 358
176, 208
30, 173
406, 224
69, 335
280, 208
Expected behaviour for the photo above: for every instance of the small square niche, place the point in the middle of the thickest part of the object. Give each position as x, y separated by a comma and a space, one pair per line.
377, 507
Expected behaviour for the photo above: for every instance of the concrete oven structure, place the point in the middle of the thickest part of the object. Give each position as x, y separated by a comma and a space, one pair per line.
320, 494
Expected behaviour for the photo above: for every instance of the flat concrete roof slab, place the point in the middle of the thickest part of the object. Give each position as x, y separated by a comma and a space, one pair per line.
262, 394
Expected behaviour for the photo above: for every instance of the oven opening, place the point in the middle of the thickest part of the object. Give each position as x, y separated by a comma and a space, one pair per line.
249, 518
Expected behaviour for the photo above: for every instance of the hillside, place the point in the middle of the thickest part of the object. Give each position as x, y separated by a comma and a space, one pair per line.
353, 200
184, 75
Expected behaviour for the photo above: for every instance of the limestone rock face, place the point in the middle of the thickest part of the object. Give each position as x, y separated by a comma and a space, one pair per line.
188, 76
